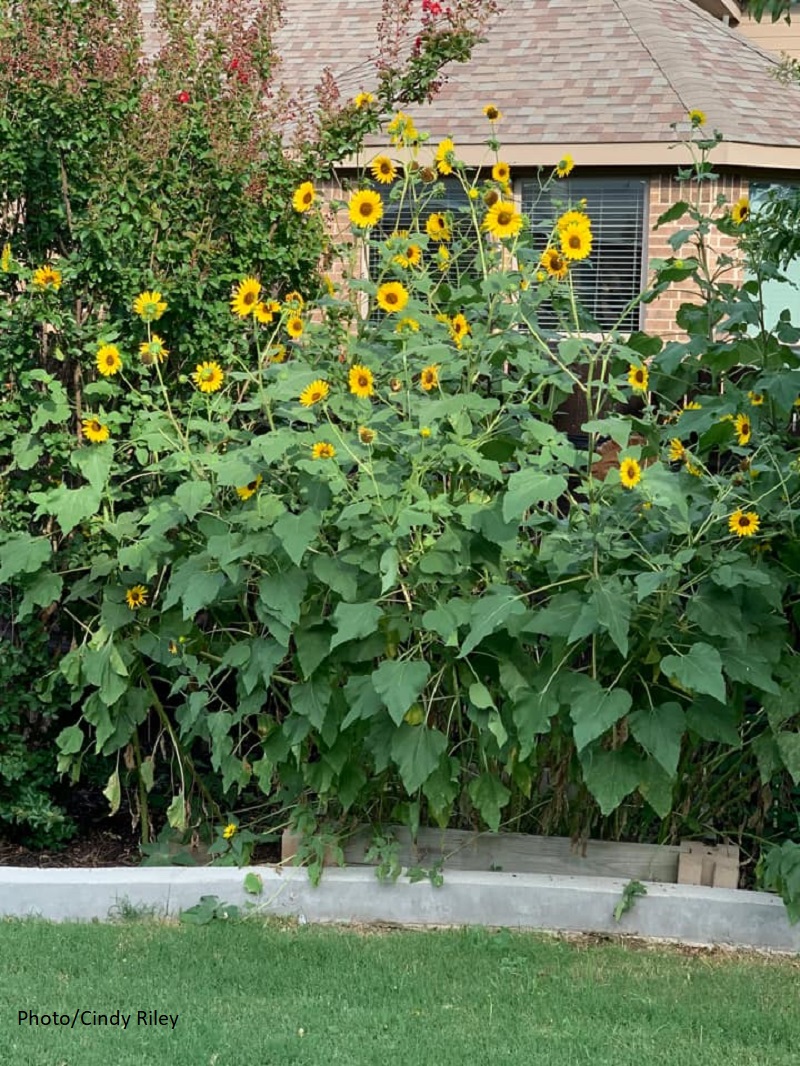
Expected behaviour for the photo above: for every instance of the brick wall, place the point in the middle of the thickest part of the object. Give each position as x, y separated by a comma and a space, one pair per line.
659, 316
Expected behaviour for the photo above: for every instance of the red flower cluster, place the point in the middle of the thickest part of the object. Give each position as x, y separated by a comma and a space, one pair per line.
183, 97
431, 7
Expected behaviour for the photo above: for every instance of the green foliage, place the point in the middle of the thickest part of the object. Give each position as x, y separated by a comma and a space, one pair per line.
630, 892
779, 871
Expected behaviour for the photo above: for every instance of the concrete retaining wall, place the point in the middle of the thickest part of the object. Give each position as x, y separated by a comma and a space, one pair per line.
688, 913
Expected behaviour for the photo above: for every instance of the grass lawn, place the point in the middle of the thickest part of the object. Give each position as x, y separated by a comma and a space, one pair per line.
267, 994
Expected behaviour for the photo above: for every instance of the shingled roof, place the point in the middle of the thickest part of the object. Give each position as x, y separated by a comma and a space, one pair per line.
604, 78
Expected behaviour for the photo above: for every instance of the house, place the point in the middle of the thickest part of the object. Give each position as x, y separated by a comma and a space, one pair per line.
604, 81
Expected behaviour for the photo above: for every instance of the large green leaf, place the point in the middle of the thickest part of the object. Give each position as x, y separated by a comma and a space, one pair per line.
613, 605
660, 732
354, 621
361, 698
340, 577
610, 776
714, 721
529, 487
490, 796
595, 709
656, 787
698, 671
94, 462
559, 617
399, 683
311, 698
489, 613
192, 497
69, 507
531, 713
23, 554
789, 748
45, 590
193, 586
416, 751
282, 594
297, 532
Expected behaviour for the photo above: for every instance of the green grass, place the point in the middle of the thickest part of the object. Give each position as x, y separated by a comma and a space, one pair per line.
266, 994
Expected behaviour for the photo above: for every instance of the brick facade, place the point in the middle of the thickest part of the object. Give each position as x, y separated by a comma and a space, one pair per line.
659, 316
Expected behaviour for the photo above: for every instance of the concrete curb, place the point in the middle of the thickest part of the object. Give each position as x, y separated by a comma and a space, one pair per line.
687, 913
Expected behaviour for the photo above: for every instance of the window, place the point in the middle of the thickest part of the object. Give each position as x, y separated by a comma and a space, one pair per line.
779, 295
613, 275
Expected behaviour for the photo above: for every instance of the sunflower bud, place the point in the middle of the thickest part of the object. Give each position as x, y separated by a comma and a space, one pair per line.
491, 197
428, 174
395, 385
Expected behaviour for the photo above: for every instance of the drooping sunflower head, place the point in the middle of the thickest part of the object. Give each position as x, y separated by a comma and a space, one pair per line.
501, 172
755, 398
277, 353
564, 166
5, 258
407, 325
392, 297
638, 378
136, 597
383, 169
743, 428
244, 492
46, 277
366, 208
740, 212
442, 257
554, 263
208, 377
323, 450
411, 256
402, 130
108, 360
149, 306
459, 328
429, 378
314, 393
361, 381
576, 241
246, 298
366, 435
676, 450
744, 523
437, 227
262, 313
572, 217
493, 113
303, 198
94, 430
630, 473
503, 220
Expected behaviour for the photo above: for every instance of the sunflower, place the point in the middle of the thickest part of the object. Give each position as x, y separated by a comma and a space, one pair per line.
229, 831
149, 306
459, 328
572, 217
293, 301
743, 429
402, 130
313, 393
244, 492
437, 227
392, 297
383, 169
693, 468
564, 166
445, 154
366, 435
108, 360
47, 278
693, 405
361, 382
94, 430
630, 473
740, 212
246, 298
503, 220
429, 378
638, 378
501, 172
294, 327
152, 350
277, 354
262, 313
407, 325
208, 377
363, 99
697, 117
494, 114
323, 450
410, 257
442, 257
755, 398
136, 597
744, 523
303, 199
554, 263
366, 208
425, 432
5, 258
491, 197
576, 241
676, 450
